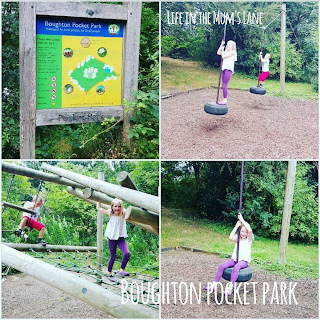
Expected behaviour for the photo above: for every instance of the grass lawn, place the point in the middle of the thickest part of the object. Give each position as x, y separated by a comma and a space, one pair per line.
179, 75
179, 230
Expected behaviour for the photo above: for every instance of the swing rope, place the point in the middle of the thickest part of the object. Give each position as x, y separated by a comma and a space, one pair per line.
221, 61
8, 192
240, 207
261, 50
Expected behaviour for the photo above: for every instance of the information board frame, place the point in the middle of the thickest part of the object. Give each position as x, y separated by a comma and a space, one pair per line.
129, 13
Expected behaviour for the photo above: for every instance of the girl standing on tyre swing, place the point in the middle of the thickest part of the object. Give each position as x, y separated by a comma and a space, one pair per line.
229, 56
244, 255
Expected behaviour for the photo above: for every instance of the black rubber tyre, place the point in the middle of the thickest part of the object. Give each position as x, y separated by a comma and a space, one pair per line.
216, 109
244, 274
258, 90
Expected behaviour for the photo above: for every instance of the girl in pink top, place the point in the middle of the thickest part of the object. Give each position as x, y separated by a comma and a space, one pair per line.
245, 242
265, 67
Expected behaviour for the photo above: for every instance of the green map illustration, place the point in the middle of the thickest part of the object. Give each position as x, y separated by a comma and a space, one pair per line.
91, 71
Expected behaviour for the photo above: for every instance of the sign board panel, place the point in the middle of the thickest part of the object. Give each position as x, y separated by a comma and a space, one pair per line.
79, 62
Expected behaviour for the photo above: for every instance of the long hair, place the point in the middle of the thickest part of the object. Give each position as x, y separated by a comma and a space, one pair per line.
113, 202
234, 48
37, 198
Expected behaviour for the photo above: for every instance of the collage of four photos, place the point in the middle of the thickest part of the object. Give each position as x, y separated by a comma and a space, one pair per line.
160, 160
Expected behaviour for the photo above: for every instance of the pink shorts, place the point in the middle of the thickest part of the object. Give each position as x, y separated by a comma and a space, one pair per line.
31, 223
264, 76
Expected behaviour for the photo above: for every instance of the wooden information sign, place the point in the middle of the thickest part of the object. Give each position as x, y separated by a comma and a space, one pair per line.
78, 61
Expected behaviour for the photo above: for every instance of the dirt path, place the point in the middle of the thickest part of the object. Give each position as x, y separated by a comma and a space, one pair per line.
186, 266
256, 127
25, 297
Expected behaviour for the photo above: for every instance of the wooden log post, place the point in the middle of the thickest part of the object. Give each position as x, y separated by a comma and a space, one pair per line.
139, 215
283, 49
82, 289
137, 198
100, 233
142, 216
131, 67
13, 206
79, 194
125, 180
89, 193
54, 248
36, 174
287, 207
28, 85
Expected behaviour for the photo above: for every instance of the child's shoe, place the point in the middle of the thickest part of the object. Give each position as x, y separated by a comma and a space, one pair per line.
261, 85
123, 274
42, 242
211, 287
112, 278
18, 232
229, 289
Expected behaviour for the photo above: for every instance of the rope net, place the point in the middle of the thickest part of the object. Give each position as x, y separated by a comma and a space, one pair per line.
85, 265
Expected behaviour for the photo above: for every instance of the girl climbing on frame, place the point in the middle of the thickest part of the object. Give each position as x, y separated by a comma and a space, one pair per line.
264, 67
229, 56
244, 257
116, 233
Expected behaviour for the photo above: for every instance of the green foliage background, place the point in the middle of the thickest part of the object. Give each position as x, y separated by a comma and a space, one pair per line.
210, 190
72, 221
200, 42
66, 141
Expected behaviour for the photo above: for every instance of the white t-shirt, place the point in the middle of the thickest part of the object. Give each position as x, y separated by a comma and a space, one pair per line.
244, 250
228, 63
29, 204
265, 66
116, 228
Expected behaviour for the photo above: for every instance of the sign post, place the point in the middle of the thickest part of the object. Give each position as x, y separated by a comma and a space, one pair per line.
78, 61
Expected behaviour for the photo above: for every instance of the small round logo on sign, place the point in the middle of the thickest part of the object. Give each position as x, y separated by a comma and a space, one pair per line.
85, 42
102, 52
68, 88
53, 84
53, 90
53, 78
101, 90
53, 97
114, 29
68, 52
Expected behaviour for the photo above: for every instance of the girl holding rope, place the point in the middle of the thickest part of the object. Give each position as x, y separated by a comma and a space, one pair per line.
264, 67
229, 56
239, 261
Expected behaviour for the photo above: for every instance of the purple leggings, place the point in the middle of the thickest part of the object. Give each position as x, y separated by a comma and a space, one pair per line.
235, 271
121, 243
226, 76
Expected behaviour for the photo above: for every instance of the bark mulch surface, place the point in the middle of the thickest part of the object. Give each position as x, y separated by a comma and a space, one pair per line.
256, 127
185, 267
25, 297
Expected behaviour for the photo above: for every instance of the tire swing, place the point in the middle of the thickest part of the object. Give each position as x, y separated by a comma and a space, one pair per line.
246, 273
213, 107
258, 89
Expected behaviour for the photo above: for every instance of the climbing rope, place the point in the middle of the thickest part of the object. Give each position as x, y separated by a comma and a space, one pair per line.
240, 207
261, 50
